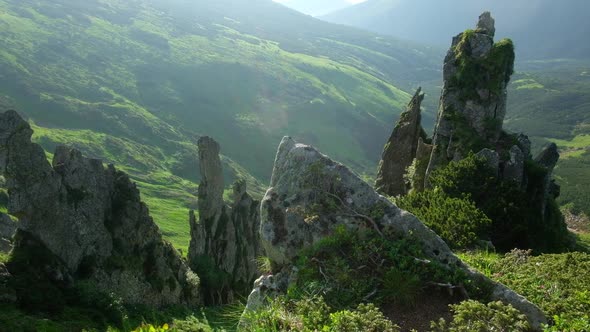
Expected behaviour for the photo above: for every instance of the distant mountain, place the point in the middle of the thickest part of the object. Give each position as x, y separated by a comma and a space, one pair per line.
315, 7
540, 28
137, 82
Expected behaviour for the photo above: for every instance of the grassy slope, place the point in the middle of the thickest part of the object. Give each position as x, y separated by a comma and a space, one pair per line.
136, 83
557, 283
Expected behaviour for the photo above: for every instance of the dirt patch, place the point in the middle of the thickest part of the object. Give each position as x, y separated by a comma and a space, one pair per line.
431, 305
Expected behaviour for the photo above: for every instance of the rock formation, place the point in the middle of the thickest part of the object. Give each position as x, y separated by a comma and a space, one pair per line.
400, 150
470, 116
7, 230
473, 102
91, 219
7, 294
311, 195
547, 160
224, 242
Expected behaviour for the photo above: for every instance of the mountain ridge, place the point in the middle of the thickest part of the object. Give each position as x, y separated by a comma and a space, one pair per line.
540, 28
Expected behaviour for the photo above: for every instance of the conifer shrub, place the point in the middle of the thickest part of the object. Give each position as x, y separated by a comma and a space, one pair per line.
517, 216
473, 316
457, 220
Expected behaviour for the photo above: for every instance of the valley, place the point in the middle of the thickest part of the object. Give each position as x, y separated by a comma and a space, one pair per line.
212, 145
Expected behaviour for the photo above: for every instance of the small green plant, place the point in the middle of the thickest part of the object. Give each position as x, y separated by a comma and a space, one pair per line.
473, 316
263, 264
311, 313
277, 316
152, 328
566, 322
366, 318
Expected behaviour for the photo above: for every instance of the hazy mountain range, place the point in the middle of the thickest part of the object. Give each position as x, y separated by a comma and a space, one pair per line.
540, 28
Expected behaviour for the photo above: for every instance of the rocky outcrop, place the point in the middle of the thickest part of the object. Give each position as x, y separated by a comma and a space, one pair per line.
420, 164
7, 294
473, 102
224, 241
514, 166
311, 195
303, 178
491, 158
7, 230
547, 159
400, 150
92, 219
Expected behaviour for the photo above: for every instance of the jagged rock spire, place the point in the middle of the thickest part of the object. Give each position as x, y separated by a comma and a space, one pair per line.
400, 150
473, 102
486, 24
211, 186
224, 240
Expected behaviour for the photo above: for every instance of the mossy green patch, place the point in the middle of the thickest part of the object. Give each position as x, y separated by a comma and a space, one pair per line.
491, 72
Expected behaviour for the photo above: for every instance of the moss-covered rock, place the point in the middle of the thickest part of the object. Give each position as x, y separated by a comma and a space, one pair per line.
473, 103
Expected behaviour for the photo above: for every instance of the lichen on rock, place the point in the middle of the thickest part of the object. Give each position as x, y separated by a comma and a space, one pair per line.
310, 196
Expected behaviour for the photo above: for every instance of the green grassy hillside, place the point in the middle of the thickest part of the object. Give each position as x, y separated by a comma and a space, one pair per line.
137, 82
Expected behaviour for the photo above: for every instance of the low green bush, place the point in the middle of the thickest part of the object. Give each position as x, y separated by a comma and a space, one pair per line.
473, 316
457, 220
311, 313
467, 194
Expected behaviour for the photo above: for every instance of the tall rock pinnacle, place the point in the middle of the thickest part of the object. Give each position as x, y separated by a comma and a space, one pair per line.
473, 102
224, 241
400, 150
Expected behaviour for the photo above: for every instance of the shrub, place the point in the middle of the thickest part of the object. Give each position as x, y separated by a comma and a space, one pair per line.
311, 313
365, 318
473, 316
520, 218
457, 220
274, 317
190, 324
